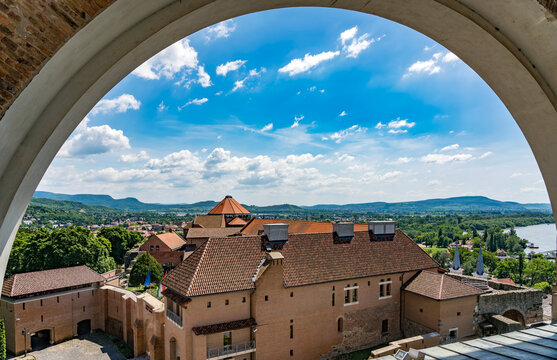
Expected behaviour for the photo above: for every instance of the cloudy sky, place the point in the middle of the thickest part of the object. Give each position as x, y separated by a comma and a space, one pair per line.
299, 106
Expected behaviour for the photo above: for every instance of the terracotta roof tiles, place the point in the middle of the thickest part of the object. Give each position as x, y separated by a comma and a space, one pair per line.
229, 264
439, 286
196, 233
49, 280
255, 226
171, 239
228, 206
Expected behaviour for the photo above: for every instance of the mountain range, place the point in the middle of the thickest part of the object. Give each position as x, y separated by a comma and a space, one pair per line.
454, 204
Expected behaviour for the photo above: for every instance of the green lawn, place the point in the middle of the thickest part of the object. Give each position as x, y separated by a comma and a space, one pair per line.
141, 289
432, 251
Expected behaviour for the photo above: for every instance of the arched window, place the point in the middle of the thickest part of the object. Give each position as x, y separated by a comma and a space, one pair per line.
340, 325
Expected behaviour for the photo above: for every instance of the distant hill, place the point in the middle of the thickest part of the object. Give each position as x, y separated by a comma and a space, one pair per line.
455, 204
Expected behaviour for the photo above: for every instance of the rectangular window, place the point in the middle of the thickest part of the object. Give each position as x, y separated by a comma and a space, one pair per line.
151, 248
453, 333
227, 340
244, 299
208, 304
291, 352
58, 299
266, 297
291, 294
226, 302
292, 331
385, 288
41, 303
385, 326
42, 318
23, 306
84, 309
333, 300
351, 294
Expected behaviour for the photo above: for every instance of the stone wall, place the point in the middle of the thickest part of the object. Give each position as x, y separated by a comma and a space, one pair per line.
526, 301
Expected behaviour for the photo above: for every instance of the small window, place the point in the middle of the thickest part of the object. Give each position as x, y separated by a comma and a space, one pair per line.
41, 303
458, 313
346, 296
291, 352
385, 326
23, 306
227, 340
340, 325
157, 248
333, 299
421, 310
355, 294
368, 283
385, 288
292, 331
226, 302
42, 318
244, 299
333, 288
453, 334
151, 248
291, 294
84, 309
58, 299
208, 304
266, 297
78, 295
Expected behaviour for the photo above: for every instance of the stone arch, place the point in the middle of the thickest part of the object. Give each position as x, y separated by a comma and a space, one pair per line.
340, 324
515, 315
173, 348
49, 83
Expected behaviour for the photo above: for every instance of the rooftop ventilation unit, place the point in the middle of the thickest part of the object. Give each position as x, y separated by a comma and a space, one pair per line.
382, 230
344, 229
276, 233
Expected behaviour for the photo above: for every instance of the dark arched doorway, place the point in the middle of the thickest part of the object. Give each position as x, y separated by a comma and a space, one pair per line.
40, 339
515, 315
84, 327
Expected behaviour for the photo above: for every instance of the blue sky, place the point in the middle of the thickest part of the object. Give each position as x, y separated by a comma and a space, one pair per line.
301, 106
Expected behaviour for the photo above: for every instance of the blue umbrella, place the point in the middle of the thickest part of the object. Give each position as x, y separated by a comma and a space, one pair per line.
148, 278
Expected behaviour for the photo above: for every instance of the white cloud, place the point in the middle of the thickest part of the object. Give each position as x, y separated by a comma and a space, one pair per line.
514, 175
221, 30
224, 69
389, 175
444, 158
532, 189
162, 107
400, 160
94, 140
353, 45
431, 66
434, 183
169, 61
450, 57
343, 113
267, 127
298, 65
396, 126
218, 93
348, 34
194, 102
239, 84
450, 147
203, 78
339, 136
297, 120
486, 154
120, 104
129, 158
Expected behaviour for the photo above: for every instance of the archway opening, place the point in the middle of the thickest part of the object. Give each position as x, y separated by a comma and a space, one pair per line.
515, 315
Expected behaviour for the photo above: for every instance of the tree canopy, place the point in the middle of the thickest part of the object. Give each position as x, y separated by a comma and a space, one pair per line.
121, 241
141, 267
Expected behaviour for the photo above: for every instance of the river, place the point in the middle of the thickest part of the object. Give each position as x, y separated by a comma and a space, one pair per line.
542, 235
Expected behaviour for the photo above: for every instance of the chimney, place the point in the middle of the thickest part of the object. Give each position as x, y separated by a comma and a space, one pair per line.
276, 233
344, 229
382, 230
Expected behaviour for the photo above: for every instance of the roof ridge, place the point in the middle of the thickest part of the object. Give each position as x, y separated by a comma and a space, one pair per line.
441, 286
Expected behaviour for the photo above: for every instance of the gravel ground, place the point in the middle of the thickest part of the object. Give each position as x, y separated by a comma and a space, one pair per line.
96, 346
546, 305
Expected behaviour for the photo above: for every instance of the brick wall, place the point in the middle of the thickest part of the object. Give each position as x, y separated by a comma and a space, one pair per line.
31, 31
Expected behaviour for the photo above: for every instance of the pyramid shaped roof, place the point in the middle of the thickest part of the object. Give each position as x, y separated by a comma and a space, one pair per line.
228, 206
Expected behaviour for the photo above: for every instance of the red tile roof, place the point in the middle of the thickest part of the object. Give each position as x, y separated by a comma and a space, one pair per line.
437, 286
255, 226
171, 239
49, 280
197, 233
505, 281
228, 206
237, 222
210, 221
229, 264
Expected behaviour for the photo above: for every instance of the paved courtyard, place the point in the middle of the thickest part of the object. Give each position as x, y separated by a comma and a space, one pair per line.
96, 346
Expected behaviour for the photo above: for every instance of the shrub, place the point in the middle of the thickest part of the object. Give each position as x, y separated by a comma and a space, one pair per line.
141, 267
2, 340
543, 286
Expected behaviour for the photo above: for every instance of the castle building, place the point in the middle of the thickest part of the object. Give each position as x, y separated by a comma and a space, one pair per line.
280, 295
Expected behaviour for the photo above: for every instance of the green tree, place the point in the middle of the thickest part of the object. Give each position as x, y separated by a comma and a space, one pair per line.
2, 340
443, 258
121, 241
141, 267
72, 246
543, 286
539, 270
507, 268
520, 267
